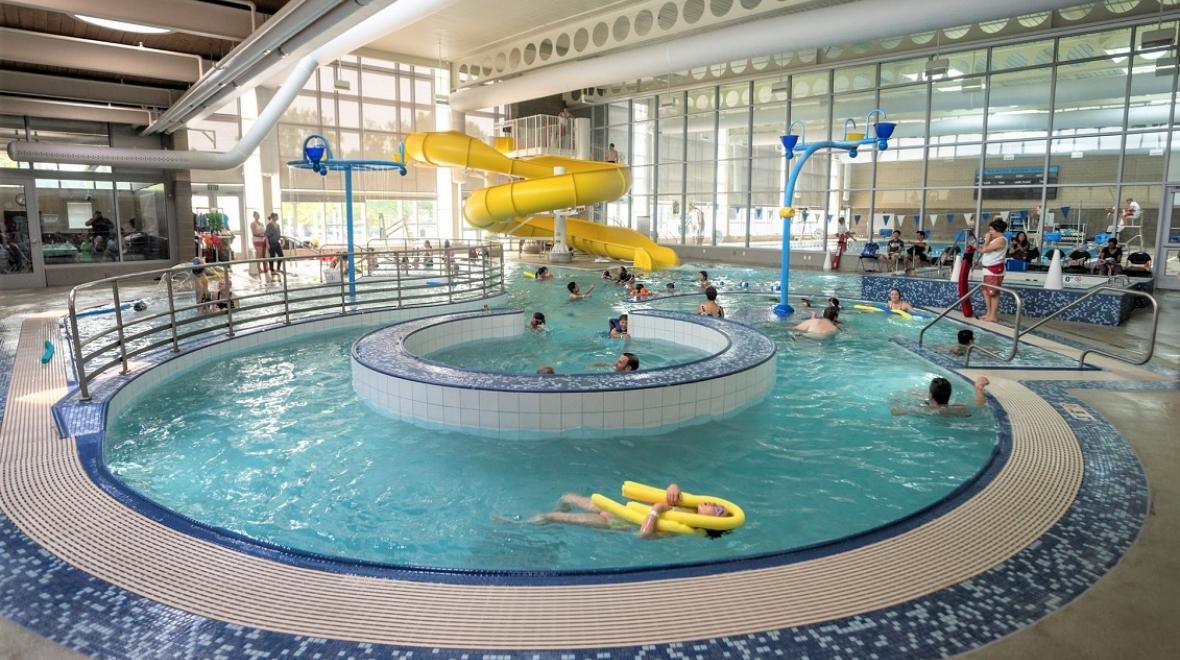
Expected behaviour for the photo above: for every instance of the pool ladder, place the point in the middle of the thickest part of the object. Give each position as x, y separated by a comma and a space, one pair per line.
1018, 333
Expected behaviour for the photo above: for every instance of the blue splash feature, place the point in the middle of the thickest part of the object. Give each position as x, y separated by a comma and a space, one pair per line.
825, 435
90, 616
1103, 309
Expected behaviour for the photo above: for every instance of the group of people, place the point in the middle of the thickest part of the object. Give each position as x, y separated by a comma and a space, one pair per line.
268, 244
212, 300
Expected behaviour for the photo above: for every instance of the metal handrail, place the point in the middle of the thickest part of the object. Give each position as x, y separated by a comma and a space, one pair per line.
952, 306
390, 288
1155, 320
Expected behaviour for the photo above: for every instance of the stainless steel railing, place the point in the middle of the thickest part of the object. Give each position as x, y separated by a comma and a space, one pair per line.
1018, 333
393, 279
1015, 338
1155, 322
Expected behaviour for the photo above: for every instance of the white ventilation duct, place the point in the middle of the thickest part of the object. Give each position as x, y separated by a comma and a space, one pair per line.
398, 15
839, 24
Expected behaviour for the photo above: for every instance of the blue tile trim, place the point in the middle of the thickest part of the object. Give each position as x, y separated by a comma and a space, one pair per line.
88, 615
1103, 309
384, 351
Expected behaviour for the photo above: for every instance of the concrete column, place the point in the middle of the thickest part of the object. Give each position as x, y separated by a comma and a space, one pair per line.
252, 179
180, 206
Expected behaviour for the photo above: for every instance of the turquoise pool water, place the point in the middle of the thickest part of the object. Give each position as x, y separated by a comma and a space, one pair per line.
568, 351
272, 443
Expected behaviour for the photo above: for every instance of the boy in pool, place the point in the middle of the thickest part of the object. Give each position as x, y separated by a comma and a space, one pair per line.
537, 323
543, 274
618, 328
576, 293
938, 401
966, 340
592, 516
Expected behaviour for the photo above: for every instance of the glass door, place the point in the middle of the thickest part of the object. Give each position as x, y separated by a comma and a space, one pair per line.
1167, 266
21, 262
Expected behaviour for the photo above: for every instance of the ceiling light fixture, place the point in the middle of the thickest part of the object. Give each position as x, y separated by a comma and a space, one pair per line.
121, 25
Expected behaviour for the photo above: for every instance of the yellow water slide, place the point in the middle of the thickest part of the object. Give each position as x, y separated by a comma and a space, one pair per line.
521, 207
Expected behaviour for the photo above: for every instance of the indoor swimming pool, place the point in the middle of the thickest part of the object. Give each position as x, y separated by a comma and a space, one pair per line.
273, 444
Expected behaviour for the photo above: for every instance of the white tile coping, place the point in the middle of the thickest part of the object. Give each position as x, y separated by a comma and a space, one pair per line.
389, 374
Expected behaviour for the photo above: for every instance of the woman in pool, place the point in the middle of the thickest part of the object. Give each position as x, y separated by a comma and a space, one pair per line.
895, 301
543, 274
939, 397
710, 306
821, 326
537, 323
703, 279
592, 516
624, 276
576, 293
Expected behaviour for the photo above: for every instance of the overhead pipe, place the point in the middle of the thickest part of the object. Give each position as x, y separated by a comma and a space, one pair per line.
289, 21
396, 16
869, 19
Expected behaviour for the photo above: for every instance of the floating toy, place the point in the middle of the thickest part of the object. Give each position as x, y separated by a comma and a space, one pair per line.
109, 309
48, 354
676, 521
881, 307
529, 275
869, 308
435, 283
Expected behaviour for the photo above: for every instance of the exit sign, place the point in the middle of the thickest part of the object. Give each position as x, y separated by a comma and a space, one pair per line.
211, 187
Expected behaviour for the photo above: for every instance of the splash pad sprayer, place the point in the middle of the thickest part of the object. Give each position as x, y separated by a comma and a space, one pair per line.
796, 143
317, 157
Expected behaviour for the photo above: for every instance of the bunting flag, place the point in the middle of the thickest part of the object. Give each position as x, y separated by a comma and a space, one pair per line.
1065, 211
885, 219
856, 219
950, 218
900, 220
933, 219
985, 216
968, 218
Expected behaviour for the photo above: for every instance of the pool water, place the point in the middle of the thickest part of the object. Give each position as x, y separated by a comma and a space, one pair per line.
567, 351
273, 443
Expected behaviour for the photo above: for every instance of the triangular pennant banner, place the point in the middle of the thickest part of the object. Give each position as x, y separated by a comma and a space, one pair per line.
985, 215
900, 220
1065, 211
856, 218
950, 218
885, 218
968, 217
933, 219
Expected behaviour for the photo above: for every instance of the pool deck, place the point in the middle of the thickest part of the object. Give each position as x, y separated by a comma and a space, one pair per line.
45, 492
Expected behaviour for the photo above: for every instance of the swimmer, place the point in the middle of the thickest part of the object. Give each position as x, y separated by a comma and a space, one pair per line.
486, 309
703, 279
139, 306
546, 371
543, 273
710, 306
966, 340
576, 293
627, 362
895, 301
618, 328
670, 287
641, 292
834, 302
825, 325
537, 323
624, 276
592, 516
803, 302
607, 276
939, 397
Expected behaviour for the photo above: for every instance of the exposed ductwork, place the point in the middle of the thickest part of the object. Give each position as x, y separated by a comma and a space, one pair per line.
396, 16
868, 19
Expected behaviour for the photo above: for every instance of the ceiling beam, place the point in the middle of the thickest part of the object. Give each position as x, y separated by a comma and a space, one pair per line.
23, 83
20, 105
71, 53
190, 16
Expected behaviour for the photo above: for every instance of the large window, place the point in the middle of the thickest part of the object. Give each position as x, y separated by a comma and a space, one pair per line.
1047, 133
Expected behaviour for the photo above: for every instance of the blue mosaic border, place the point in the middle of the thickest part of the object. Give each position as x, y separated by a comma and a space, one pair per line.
91, 616
383, 351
